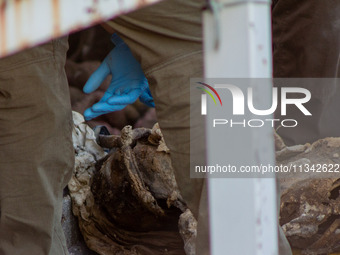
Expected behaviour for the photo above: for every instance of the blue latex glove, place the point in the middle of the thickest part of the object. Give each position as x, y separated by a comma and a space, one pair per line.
127, 84
147, 98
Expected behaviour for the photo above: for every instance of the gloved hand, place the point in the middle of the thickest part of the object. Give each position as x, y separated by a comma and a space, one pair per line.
127, 84
147, 98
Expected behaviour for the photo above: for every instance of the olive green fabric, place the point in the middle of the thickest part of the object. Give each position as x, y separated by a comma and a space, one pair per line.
162, 33
36, 152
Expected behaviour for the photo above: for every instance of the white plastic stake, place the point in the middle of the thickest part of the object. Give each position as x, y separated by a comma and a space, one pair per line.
243, 216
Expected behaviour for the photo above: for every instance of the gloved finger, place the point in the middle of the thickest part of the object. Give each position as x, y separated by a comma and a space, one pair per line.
106, 108
90, 114
105, 97
117, 40
121, 86
102, 109
147, 98
148, 102
97, 78
103, 104
124, 99
103, 100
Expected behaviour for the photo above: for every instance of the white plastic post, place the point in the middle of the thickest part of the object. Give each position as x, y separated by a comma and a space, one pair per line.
243, 216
